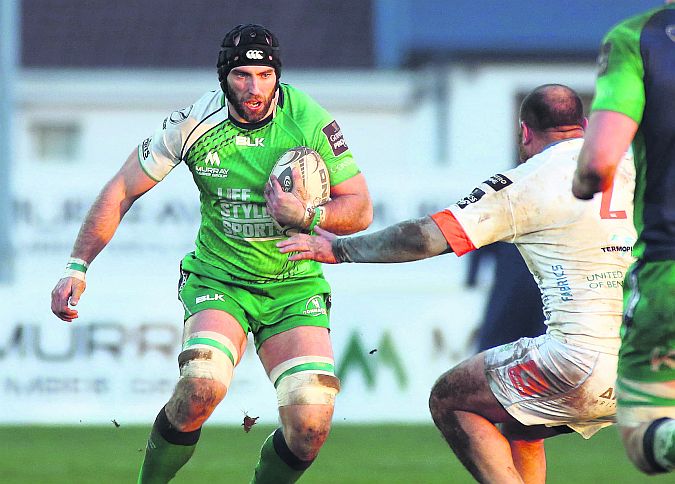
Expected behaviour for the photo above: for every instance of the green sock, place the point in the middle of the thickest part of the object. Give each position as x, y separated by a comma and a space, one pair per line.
277, 464
166, 452
664, 445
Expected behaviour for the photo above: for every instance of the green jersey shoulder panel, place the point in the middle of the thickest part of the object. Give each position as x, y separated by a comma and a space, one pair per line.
620, 86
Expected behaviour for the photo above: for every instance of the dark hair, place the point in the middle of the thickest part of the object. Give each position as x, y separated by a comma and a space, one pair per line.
248, 44
550, 106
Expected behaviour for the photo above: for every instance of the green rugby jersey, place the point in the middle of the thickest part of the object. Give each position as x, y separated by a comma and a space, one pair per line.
637, 78
230, 163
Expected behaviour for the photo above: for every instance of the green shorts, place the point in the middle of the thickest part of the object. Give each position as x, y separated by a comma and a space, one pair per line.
265, 309
648, 332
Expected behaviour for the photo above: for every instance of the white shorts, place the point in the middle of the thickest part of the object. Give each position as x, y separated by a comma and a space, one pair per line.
543, 381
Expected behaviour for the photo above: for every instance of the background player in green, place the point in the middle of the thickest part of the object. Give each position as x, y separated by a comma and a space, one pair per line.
235, 281
635, 101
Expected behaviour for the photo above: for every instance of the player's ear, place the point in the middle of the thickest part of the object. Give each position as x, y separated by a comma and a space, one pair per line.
526, 133
584, 123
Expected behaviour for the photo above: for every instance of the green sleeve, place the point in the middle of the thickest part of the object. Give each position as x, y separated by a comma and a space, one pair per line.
619, 86
332, 147
328, 140
320, 132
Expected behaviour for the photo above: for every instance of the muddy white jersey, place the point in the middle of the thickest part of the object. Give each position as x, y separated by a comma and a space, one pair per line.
578, 251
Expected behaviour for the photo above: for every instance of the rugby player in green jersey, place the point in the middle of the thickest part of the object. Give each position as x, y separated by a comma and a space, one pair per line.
635, 102
236, 282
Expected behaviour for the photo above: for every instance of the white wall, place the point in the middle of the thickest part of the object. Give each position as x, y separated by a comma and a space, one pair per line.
118, 360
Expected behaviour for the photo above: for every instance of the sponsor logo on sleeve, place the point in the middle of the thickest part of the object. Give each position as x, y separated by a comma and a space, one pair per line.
603, 58
497, 182
347, 163
335, 138
473, 197
178, 117
145, 148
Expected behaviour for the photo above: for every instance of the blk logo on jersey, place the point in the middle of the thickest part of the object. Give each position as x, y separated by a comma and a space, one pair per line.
246, 141
335, 138
209, 297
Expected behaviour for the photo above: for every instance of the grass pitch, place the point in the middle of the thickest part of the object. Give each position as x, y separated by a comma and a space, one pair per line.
358, 454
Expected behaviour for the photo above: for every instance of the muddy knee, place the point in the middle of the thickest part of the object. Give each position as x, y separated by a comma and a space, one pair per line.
206, 367
440, 398
307, 401
306, 393
306, 437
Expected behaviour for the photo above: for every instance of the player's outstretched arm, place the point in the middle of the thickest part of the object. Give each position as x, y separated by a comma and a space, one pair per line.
403, 242
607, 138
103, 218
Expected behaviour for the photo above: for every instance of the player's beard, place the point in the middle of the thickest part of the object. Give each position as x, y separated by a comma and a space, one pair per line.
239, 105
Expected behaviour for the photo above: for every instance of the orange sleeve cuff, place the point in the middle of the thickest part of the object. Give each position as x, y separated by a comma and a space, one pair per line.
453, 232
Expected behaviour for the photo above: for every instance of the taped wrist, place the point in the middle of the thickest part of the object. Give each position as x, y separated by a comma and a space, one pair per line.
76, 268
317, 217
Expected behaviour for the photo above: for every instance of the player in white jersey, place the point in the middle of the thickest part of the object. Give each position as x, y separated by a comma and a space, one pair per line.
578, 254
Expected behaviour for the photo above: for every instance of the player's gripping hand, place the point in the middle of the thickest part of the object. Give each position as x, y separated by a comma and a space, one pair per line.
315, 247
67, 293
287, 208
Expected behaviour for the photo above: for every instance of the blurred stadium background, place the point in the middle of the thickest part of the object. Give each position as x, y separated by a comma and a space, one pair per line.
426, 93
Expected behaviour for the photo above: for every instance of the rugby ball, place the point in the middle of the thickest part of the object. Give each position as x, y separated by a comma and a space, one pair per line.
312, 169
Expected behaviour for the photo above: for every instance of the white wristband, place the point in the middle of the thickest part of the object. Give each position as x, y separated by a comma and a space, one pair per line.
76, 268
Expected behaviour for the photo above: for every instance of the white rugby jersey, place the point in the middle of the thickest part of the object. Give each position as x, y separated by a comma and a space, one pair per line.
578, 251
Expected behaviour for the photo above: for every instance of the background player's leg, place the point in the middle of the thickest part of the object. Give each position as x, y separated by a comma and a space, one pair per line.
213, 344
291, 449
529, 457
464, 409
646, 418
527, 447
